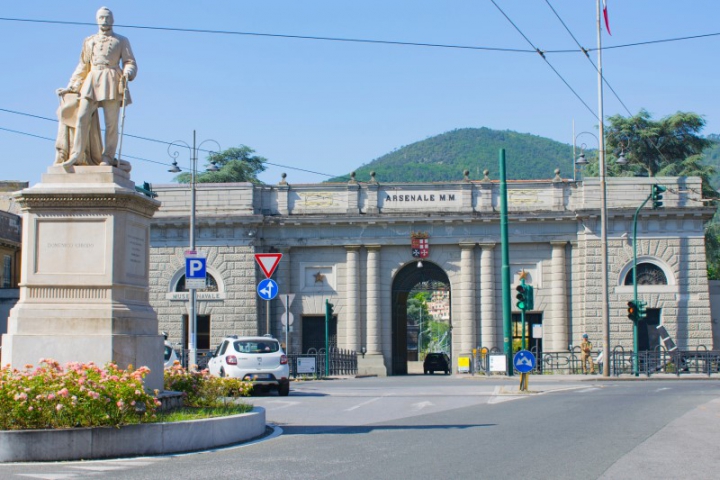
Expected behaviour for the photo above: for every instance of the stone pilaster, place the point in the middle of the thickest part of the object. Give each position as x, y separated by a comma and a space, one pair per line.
352, 300
467, 297
489, 320
557, 333
373, 342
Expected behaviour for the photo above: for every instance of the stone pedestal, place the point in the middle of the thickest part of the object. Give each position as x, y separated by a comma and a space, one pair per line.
84, 274
372, 364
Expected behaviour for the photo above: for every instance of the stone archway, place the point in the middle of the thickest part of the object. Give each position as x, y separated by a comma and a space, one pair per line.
410, 276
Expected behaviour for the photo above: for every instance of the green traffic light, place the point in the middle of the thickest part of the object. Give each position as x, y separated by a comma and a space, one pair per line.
657, 197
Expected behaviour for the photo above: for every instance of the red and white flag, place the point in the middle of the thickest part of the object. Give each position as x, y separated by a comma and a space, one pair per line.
605, 14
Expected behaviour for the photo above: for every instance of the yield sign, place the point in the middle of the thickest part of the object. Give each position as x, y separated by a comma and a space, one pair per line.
268, 262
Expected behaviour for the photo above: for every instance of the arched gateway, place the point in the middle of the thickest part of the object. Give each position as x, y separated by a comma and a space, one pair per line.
413, 277
351, 245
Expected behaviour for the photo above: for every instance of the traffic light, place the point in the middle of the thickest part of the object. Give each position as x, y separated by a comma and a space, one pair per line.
522, 297
641, 313
530, 300
632, 311
328, 310
657, 191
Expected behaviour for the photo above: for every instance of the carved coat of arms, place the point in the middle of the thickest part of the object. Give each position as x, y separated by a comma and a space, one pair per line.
420, 244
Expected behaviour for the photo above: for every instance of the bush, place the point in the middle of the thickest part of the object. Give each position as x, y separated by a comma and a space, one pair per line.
78, 395
200, 389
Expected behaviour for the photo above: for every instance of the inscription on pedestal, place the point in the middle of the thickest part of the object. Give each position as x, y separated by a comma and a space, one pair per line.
136, 250
70, 246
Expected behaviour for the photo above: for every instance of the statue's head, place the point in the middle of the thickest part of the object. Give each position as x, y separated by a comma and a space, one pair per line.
104, 19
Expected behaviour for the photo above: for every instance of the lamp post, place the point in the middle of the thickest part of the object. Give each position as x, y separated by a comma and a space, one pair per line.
192, 317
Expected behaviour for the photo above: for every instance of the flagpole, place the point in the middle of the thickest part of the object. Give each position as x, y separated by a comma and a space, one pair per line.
603, 207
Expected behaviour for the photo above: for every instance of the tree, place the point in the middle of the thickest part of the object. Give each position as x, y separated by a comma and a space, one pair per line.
651, 146
236, 164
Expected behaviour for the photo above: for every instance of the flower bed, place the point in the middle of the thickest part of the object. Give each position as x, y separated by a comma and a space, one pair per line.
85, 395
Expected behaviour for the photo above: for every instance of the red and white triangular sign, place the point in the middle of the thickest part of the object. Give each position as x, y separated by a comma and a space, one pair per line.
268, 262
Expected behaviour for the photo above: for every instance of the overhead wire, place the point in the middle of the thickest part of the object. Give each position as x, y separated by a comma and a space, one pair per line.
542, 54
356, 40
148, 139
535, 49
604, 79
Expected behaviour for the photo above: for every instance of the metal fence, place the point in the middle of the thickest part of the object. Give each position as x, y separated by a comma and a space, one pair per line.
700, 360
341, 362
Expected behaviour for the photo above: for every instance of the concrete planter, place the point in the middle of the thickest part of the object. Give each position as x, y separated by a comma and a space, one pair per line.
131, 440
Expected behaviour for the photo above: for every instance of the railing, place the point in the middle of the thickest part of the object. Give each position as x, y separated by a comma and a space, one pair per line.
342, 362
701, 360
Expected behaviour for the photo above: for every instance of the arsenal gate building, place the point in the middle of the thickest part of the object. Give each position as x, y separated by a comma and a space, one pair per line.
363, 247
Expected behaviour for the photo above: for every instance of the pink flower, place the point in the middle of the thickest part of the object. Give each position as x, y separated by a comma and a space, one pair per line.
30, 409
51, 396
59, 407
64, 392
120, 404
21, 396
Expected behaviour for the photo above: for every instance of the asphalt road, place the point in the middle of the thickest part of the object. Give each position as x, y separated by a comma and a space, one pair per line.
449, 427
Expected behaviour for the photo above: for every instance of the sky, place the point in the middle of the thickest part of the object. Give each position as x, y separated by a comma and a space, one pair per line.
320, 108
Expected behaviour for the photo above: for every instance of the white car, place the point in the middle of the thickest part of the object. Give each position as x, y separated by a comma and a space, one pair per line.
260, 360
169, 355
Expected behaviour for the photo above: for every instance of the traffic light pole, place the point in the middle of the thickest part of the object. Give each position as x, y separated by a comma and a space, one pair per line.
635, 289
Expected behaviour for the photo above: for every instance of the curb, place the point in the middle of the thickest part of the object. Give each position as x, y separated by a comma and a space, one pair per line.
130, 440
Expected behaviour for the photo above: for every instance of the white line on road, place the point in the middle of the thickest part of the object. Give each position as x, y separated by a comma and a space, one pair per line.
661, 389
282, 403
585, 390
363, 404
421, 405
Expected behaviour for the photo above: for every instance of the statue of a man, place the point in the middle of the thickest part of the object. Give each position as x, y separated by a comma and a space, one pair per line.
100, 80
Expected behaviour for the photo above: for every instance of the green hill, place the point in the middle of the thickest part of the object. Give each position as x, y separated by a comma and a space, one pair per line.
444, 158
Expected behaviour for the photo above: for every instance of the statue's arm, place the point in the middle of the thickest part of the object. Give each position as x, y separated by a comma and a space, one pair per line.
83, 67
128, 60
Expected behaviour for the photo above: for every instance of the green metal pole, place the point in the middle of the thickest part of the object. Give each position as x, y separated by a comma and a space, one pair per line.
507, 306
327, 338
522, 317
635, 294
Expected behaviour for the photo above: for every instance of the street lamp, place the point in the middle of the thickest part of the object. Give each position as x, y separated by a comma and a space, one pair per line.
581, 160
192, 318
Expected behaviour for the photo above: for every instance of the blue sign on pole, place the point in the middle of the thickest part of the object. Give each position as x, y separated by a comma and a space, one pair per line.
195, 272
524, 361
267, 289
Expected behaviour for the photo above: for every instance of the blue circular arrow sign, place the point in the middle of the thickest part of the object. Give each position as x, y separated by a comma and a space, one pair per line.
524, 361
267, 289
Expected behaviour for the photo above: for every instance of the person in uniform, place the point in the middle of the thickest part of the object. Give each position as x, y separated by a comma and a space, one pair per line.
106, 65
586, 354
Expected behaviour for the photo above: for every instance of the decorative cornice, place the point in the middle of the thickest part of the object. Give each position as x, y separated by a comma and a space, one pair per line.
132, 201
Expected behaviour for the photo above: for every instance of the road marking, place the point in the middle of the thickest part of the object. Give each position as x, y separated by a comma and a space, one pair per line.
421, 405
585, 390
47, 476
363, 404
661, 389
283, 404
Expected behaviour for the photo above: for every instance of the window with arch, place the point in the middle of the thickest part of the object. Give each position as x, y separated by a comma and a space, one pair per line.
647, 274
210, 285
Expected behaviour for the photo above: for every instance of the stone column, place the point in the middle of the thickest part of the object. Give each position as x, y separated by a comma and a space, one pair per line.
490, 321
557, 333
352, 297
373, 342
373, 362
467, 298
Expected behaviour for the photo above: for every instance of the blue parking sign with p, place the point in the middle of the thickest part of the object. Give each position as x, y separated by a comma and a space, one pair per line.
195, 272
195, 267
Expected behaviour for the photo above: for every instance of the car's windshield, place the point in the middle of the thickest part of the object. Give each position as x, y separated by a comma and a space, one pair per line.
256, 346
